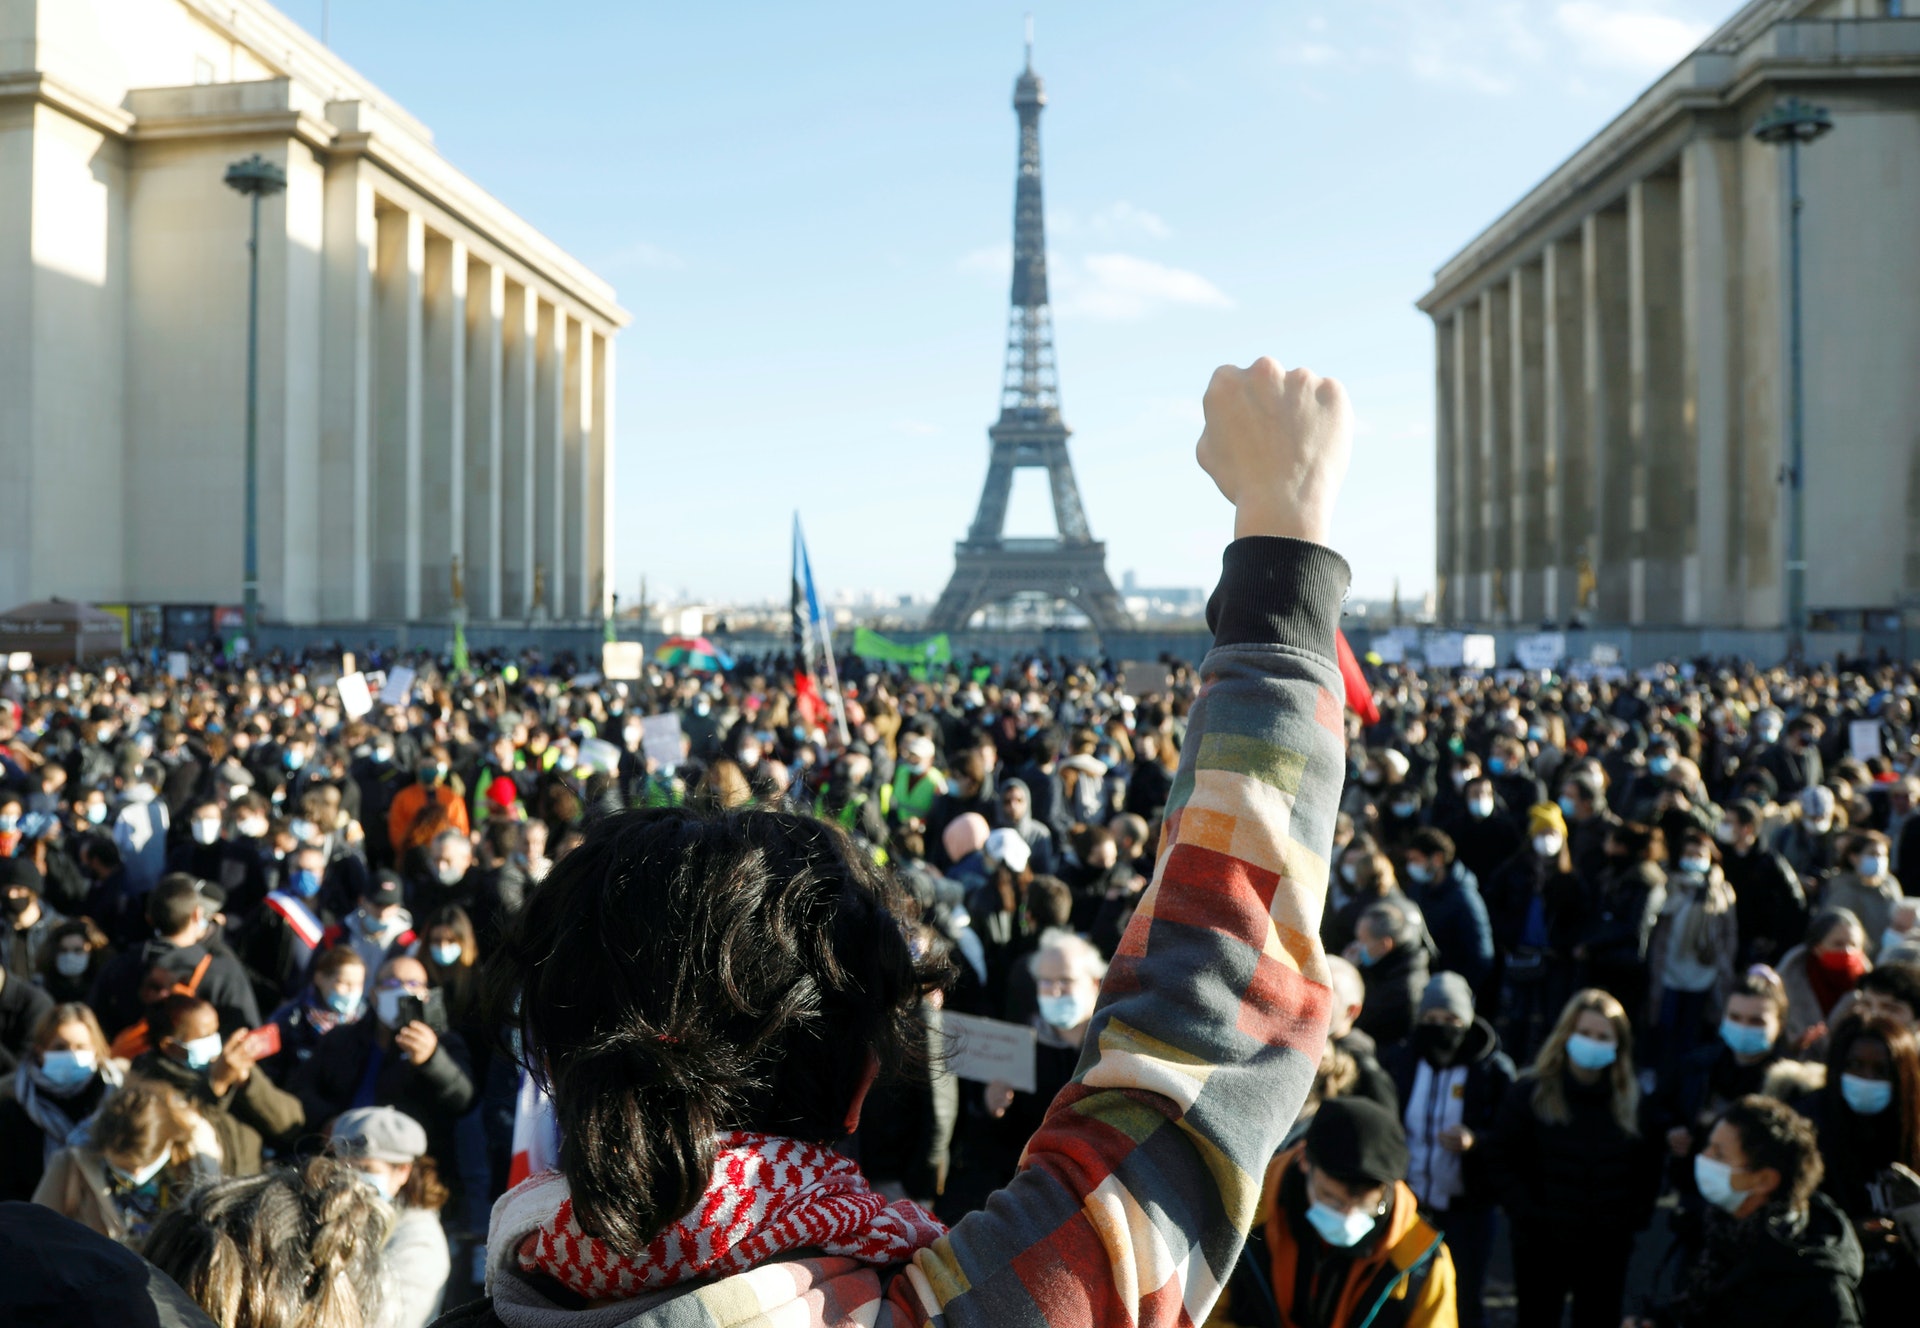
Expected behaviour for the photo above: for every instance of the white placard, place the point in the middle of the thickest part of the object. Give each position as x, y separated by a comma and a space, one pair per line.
20, 661
597, 755
1477, 652
356, 698
1605, 654
1391, 649
398, 688
989, 1050
177, 665
660, 740
622, 661
1446, 650
1863, 739
1543, 650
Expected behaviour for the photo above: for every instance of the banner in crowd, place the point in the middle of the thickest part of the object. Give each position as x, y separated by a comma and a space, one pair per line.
918, 656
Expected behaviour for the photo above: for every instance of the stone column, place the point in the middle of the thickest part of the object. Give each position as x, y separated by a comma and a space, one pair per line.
599, 482
1709, 257
397, 415
1531, 552
1606, 281
1496, 446
1472, 396
1445, 449
484, 461
1569, 456
1662, 448
346, 396
443, 434
579, 438
549, 441
522, 328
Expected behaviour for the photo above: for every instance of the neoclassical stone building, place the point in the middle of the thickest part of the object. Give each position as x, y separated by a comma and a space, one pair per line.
436, 377
1612, 386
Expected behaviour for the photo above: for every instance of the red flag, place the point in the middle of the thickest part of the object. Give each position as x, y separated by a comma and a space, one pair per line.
814, 711
1359, 694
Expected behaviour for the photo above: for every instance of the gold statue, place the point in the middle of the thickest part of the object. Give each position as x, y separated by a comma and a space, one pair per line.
539, 585
1587, 584
459, 582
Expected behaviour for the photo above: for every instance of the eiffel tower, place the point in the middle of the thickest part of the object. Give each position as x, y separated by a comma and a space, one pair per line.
1072, 566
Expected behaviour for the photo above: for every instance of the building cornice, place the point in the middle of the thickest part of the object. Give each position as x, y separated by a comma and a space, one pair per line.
33, 86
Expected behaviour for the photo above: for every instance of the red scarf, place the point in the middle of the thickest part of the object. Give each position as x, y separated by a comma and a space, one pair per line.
768, 1197
1833, 975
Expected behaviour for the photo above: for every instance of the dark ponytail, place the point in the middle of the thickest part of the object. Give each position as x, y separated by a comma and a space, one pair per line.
682, 974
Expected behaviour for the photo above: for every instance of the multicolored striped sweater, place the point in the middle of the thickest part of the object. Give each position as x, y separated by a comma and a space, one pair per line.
1134, 1198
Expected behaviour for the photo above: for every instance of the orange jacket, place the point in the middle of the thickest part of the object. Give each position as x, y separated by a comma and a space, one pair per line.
412, 822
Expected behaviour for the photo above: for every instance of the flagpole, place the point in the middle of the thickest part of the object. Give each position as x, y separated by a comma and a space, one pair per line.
821, 632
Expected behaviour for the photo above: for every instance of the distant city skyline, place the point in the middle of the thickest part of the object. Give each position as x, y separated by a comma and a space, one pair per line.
808, 213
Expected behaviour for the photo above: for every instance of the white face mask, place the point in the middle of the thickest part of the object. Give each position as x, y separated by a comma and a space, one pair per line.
205, 831
202, 1052
253, 828
1547, 846
1698, 866
138, 1178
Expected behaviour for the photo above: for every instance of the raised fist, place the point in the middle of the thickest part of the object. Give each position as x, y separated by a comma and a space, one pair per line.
1277, 444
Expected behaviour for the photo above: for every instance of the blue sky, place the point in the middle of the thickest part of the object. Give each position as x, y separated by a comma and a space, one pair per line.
807, 209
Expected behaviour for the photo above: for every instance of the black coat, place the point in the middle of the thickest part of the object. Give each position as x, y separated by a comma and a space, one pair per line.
1457, 920
436, 1093
1788, 1279
1394, 986
23, 1143
1374, 1081
1769, 906
21, 1005
1587, 1175
1490, 1074
116, 992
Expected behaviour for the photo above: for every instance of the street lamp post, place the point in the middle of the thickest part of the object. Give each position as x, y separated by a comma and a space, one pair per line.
256, 177
1793, 122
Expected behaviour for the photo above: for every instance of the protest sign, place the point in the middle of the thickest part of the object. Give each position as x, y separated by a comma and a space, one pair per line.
1605, 654
622, 661
1863, 739
1446, 650
177, 665
398, 688
660, 739
1477, 652
597, 755
1390, 649
989, 1050
356, 699
1144, 679
1542, 650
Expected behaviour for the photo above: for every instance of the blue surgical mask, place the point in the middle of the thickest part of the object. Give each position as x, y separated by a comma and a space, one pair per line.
202, 1052
1591, 1053
1744, 1039
1867, 1097
1419, 873
1480, 808
448, 955
1659, 765
1498, 765
1568, 806
305, 883
1342, 1230
136, 1179
1068, 1011
67, 1069
346, 1004
1714, 1180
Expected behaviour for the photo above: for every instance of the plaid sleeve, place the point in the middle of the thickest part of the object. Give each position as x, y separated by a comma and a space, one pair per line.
1135, 1195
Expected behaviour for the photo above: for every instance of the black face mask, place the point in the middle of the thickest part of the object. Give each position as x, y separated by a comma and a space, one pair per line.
17, 904
1438, 1044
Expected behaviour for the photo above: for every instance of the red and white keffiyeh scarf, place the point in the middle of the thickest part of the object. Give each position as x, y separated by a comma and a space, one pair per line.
768, 1197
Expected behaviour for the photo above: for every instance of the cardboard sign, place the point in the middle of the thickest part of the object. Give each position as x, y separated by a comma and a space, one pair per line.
398, 688
1143, 680
356, 698
660, 740
1477, 652
1863, 739
1446, 650
622, 661
177, 665
1543, 650
989, 1050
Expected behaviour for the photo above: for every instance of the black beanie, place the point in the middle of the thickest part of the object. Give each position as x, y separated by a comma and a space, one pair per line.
1356, 1140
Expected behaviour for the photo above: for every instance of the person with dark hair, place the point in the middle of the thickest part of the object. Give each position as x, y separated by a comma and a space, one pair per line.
282, 1247
1819, 973
1769, 905
1795, 762
62, 1274
499, 878
279, 942
1691, 954
1891, 991
1448, 896
71, 960
749, 980
389, 1151
27, 921
180, 914
218, 1079
1590, 824
1869, 1122
1339, 1240
1612, 950
1390, 950
334, 994
1865, 886
1534, 904
1778, 1254
1451, 1076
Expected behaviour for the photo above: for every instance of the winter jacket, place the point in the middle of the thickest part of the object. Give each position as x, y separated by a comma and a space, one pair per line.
76, 1185
1394, 984
1457, 921
1793, 1277
1804, 1016
116, 992
436, 1093
1870, 901
1135, 1194
1490, 1074
247, 1117
1768, 902
418, 1265
1585, 1175
21, 1005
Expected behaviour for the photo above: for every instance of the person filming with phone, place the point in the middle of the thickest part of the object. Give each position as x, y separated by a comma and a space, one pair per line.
405, 1057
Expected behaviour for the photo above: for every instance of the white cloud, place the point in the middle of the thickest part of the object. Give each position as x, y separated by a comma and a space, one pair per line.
644, 254
916, 428
1123, 287
1310, 53
1123, 218
1640, 40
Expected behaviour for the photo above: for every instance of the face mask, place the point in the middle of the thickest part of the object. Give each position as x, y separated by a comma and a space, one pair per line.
381, 1181
305, 883
1342, 1230
1419, 873
386, 1006
9, 823
252, 829
1820, 827
1372, 778
1724, 832
1498, 765
1842, 963
1547, 846
202, 1052
18, 904
1591, 1053
1659, 765
1871, 866
293, 760
1363, 957
67, 1069
1403, 810
1350, 872
1460, 778
1714, 1180
138, 1178
1867, 1097
567, 761
344, 1003
632, 735
382, 755
448, 873
205, 832
1891, 939
1438, 1043
1568, 807
448, 955
1068, 1011
1698, 866
303, 829
1744, 1039
70, 963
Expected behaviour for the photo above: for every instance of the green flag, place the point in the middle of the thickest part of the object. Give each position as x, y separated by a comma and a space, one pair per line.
459, 646
871, 645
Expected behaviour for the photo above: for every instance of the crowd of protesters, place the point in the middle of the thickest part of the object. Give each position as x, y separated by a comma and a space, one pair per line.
1599, 949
